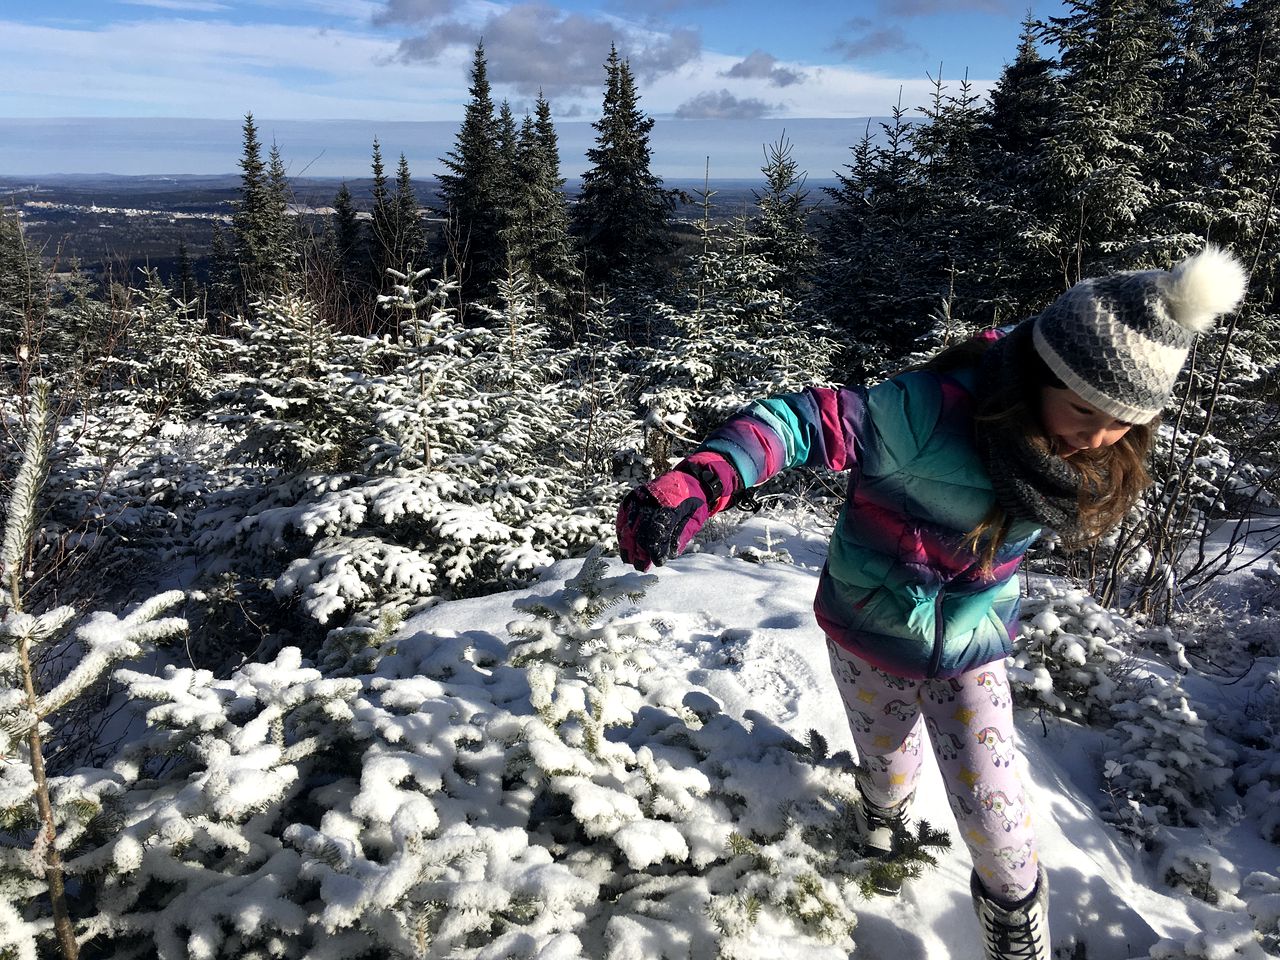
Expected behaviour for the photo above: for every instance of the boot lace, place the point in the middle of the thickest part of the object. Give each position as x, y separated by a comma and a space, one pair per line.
1015, 941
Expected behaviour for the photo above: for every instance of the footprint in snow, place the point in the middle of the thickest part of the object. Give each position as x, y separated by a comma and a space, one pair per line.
772, 675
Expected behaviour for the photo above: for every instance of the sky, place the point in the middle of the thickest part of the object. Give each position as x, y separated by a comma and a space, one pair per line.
399, 60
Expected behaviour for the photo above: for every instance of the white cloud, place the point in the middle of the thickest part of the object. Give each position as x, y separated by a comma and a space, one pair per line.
187, 67
192, 68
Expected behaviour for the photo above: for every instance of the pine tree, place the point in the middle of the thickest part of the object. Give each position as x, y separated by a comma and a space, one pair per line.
32, 808
284, 252
184, 277
1187, 131
538, 230
224, 286
382, 226
350, 250
956, 251
1109, 58
509, 186
622, 213
261, 248
782, 222
1024, 108
409, 242
471, 190
869, 282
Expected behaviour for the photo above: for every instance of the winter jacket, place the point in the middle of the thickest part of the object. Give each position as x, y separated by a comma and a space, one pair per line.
898, 589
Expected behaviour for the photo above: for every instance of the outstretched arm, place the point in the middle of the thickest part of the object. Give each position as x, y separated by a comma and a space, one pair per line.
819, 426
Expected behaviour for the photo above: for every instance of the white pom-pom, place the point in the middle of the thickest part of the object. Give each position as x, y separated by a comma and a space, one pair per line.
1204, 286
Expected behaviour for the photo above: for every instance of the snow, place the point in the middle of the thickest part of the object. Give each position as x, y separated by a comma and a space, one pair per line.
744, 637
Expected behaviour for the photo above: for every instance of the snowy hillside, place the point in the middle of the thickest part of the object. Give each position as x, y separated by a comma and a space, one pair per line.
744, 633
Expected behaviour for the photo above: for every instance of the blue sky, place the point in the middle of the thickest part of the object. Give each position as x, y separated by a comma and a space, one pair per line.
408, 59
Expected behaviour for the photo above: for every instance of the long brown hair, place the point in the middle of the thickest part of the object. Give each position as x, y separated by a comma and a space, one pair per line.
1112, 478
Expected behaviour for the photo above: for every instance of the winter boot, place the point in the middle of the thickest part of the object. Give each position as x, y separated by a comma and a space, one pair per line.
880, 828
1018, 932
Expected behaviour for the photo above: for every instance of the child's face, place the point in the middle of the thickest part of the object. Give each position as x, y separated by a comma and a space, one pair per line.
1073, 425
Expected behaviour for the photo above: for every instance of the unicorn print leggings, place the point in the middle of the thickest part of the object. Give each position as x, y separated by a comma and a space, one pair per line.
970, 722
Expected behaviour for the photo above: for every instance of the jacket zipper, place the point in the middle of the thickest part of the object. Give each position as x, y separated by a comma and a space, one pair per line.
938, 627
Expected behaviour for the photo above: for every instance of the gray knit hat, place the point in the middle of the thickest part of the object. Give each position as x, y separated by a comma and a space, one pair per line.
1120, 341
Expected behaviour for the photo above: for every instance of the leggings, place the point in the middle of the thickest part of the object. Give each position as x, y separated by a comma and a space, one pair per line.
970, 722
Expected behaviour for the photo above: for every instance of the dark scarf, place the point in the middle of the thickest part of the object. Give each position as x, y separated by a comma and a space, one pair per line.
1030, 484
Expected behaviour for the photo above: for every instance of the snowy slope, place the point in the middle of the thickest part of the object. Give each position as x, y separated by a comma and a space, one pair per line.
745, 633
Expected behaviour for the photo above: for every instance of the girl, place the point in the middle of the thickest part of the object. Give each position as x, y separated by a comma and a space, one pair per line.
954, 470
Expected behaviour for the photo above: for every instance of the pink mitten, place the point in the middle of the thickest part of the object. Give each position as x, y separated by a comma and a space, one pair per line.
657, 520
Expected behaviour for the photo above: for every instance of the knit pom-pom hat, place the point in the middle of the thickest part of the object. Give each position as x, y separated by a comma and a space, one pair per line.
1120, 341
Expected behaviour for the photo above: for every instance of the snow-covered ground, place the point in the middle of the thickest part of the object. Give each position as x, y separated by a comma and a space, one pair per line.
745, 633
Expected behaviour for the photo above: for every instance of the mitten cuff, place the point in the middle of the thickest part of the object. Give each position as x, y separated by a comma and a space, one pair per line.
716, 475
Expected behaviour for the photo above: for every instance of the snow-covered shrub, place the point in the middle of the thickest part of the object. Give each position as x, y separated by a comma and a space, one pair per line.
694, 814
767, 552
290, 404
1159, 753
190, 858
1257, 774
168, 361
1231, 937
1201, 871
46, 817
1075, 657
1068, 650
470, 471
729, 334
1261, 893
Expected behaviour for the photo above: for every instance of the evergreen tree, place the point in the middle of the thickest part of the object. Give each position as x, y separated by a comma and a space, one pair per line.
184, 277
538, 229
284, 252
409, 242
621, 217
955, 251
224, 288
471, 190
1191, 152
21, 283
1109, 57
1012, 161
509, 177
259, 221
869, 280
350, 251
781, 223
382, 238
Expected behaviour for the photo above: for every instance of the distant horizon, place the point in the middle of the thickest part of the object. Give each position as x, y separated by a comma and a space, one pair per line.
342, 148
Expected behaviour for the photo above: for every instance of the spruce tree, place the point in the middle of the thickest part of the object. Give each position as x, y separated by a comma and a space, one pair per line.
509, 187
781, 223
184, 277
283, 253
1191, 153
382, 231
1109, 59
621, 217
471, 190
409, 242
259, 219
349, 245
224, 276
868, 282
538, 228
1012, 162
956, 251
